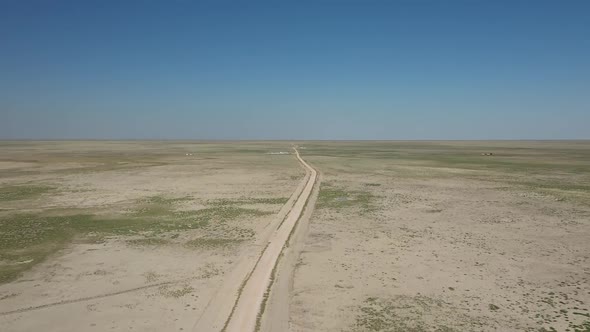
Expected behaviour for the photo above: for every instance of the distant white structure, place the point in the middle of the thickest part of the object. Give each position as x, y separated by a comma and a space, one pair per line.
282, 152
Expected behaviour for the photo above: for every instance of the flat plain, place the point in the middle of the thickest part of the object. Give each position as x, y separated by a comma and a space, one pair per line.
404, 236
122, 236
443, 236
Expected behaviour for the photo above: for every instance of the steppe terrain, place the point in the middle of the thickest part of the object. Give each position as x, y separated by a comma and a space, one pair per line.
131, 235
390, 236
435, 236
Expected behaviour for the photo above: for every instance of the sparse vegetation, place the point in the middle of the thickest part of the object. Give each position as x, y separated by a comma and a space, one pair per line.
243, 201
430, 194
556, 169
117, 201
389, 213
27, 239
151, 276
583, 327
150, 241
14, 193
212, 243
175, 292
337, 198
158, 208
404, 314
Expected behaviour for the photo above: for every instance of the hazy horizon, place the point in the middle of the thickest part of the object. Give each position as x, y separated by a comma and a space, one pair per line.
310, 70
280, 140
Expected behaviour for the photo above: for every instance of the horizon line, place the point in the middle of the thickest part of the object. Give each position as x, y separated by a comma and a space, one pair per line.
281, 140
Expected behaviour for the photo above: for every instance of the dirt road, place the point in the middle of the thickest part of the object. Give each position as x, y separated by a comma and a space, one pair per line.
242, 299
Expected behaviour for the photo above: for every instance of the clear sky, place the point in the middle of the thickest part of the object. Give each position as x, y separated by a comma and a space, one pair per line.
324, 69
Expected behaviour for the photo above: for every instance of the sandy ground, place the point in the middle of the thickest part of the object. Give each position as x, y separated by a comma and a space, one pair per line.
249, 279
277, 309
248, 309
115, 285
440, 247
405, 236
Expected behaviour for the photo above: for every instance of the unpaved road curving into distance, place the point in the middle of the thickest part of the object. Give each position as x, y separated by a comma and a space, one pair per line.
239, 305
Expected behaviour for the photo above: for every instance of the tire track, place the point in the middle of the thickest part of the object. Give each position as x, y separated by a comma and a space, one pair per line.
222, 306
89, 298
276, 315
251, 301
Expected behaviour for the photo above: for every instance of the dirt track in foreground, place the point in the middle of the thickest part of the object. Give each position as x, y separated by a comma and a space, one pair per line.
249, 301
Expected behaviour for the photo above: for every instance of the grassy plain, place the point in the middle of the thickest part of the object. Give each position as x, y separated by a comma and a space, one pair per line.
435, 236
157, 224
405, 236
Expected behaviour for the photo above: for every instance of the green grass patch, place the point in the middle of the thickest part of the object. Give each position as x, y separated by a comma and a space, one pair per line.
212, 243
157, 206
15, 193
583, 327
150, 241
222, 210
338, 198
175, 291
243, 201
26, 240
161, 200
405, 313
224, 213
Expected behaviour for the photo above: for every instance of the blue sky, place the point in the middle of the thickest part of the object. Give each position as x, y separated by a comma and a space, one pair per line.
324, 69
